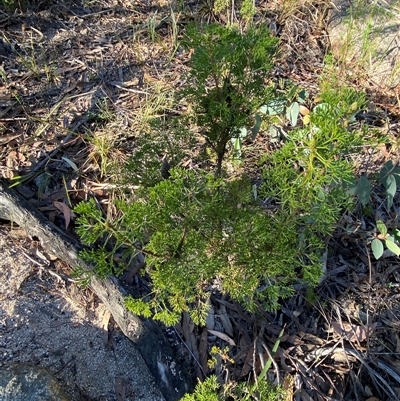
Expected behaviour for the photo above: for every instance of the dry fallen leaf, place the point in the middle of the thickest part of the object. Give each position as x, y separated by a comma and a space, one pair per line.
339, 357
311, 338
304, 111
222, 336
305, 396
210, 320
224, 317
353, 332
203, 346
248, 362
67, 212
8, 138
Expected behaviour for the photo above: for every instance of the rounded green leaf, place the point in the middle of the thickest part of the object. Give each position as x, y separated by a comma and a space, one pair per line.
377, 248
381, 227
292, 113
392, 246
243, 133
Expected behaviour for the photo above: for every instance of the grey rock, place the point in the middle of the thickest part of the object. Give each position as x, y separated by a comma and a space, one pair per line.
21, 382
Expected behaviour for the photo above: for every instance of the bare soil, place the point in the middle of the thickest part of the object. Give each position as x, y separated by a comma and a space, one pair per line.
46, 320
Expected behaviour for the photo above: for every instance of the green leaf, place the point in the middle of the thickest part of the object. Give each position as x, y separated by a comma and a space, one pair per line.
363, 190
392, 246
391, 187
292, 92
237, 146
237, 143
385, 171
22, 178
302, 96
273, 108
397, 176
292, 113
70, 163
254, 190
381, 227
256, 127
243, 133
377, 248
269, 362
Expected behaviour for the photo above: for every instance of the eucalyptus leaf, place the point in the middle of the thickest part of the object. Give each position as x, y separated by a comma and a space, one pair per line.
392, 246
385, 170
389, 183
254, 190
302, 96
381, 227
292, 113
363, 190
70, 163
237, 143
396, 175
273, 108
377, 248
256, 127
243, 133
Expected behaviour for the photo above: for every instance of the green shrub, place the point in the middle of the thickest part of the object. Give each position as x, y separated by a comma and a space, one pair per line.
211, 390
309, 175
204, 233
227, 82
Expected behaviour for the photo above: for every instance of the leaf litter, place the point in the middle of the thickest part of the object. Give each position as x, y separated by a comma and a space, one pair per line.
74, 62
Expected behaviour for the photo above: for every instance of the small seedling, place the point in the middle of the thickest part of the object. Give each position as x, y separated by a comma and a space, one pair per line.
385, 240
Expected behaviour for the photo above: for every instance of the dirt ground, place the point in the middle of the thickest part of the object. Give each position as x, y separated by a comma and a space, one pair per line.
80, 80
46, 321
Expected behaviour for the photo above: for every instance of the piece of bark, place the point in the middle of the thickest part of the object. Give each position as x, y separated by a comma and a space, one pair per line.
173, 381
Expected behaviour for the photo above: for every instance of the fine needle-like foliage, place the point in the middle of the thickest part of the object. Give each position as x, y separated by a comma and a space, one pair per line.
204, 233
309, 175
211, 390
228, 80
